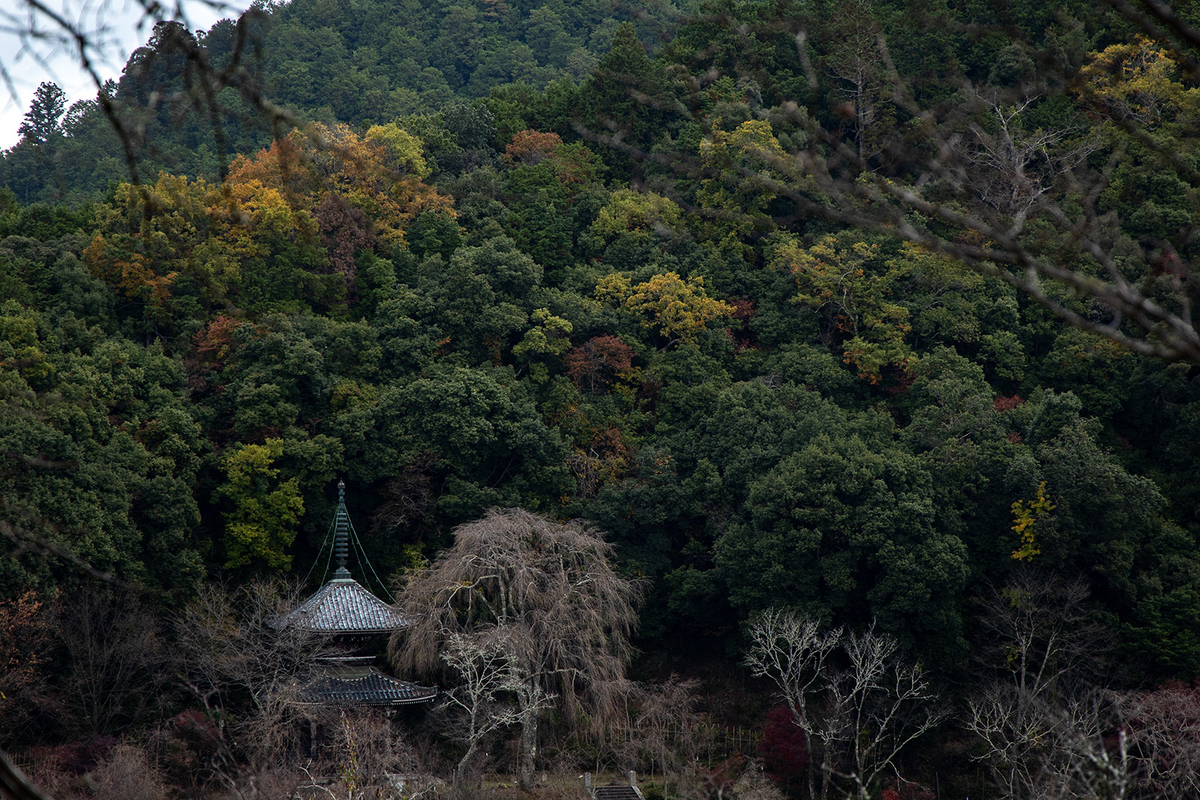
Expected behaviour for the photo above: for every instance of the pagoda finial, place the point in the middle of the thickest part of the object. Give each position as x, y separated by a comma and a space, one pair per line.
341, 534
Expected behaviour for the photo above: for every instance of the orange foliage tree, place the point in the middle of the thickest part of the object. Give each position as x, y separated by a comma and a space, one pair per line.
368, 174
154, 240
147, 234
26, 638
572, 164
308, 204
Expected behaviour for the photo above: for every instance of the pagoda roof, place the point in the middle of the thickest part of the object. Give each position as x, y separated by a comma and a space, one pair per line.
344, 607
367, 687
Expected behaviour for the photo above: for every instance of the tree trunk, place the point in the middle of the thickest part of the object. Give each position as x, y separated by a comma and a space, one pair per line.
528, 748
528, 737
460, 774
812, 784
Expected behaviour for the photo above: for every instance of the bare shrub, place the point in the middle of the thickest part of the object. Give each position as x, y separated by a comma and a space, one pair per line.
53, 779
755, 785
128, 774
365, 750
667, 724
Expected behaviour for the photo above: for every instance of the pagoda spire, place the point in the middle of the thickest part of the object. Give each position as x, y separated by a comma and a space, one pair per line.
341, 535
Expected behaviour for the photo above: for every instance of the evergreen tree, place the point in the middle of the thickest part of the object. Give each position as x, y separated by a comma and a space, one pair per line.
42, 120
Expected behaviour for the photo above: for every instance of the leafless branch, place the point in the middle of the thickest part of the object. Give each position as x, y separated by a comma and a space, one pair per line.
231, 658
850, 694
28, 540
486, 670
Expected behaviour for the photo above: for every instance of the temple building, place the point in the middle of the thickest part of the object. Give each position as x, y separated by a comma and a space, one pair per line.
352, 616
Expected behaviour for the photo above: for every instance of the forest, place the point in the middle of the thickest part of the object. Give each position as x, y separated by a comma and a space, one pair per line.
843, 350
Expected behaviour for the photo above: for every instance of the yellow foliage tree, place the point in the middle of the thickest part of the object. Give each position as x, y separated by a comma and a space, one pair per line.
249, 221
629, 211
151, 237
261, 524
1026, 517
679, 310
845, 280
738, 161
379, 174
146, 237
403, 151
1139, 81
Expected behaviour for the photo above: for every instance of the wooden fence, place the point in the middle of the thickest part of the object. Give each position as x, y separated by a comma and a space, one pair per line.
710, 744
22, 761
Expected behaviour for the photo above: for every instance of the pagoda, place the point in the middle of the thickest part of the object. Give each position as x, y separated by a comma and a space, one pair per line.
346, 611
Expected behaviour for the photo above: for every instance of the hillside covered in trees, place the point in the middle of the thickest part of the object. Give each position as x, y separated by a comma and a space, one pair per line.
584, 262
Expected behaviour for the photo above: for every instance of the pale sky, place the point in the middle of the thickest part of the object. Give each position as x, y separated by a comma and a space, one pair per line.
113, 24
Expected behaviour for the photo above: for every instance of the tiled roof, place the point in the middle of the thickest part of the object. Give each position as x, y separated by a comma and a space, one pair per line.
343, 606
370, 688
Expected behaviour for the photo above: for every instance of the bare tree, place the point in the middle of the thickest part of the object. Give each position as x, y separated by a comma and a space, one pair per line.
850, 694
549, 589
116, 668
1056, 750
1037, 630
247, 673
1011, 169
486, 671
794, 652
857, 69
1049, 727
1042, 717
879, 706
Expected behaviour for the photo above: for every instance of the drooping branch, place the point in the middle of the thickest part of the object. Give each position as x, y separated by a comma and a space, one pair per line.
549, 593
